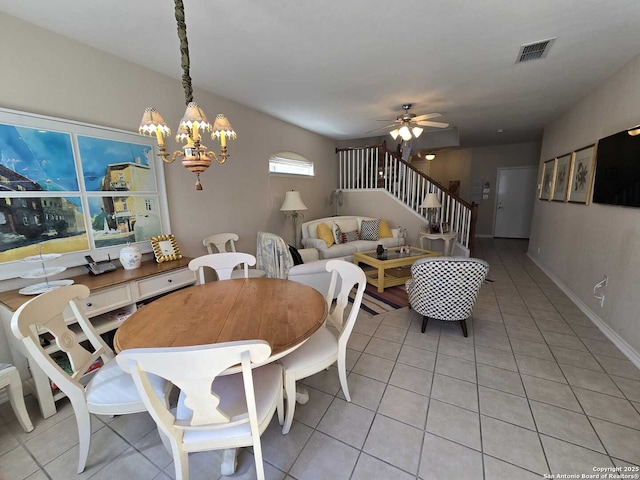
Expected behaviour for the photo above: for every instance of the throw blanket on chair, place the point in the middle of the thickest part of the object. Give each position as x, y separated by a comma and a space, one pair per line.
272, 255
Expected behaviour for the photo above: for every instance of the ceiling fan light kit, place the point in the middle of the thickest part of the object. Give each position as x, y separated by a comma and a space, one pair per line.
408, 125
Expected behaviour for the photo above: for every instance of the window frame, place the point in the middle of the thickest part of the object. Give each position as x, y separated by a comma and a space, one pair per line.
294, 160
155, 190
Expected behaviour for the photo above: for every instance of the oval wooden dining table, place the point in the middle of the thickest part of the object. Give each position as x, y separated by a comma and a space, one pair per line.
281, 312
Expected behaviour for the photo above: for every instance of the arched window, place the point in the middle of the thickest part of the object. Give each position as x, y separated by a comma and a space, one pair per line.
290, 163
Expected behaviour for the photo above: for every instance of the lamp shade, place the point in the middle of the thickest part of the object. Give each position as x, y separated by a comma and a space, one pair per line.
431, 201
292, 202
222, 126
152, 121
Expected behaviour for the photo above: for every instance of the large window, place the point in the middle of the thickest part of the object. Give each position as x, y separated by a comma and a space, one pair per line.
75, 189
290, 163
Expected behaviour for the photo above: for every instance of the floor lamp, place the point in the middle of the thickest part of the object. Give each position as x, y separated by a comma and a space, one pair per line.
291, 207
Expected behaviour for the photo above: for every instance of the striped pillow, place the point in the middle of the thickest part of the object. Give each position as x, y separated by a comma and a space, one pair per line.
349, 236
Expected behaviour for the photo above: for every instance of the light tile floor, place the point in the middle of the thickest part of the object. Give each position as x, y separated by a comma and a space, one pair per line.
535, 389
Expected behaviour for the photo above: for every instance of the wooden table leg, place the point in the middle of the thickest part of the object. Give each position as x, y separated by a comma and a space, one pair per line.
380, 279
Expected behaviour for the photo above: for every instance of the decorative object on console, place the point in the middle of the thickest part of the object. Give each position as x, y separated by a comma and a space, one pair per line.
195, 156
291, 206
431, 203
165, 248
43, 272
130, 257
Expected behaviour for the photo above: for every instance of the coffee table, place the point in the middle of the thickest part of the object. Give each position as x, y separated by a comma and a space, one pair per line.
393, 269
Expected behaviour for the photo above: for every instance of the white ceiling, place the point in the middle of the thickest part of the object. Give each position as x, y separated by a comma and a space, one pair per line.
337, 66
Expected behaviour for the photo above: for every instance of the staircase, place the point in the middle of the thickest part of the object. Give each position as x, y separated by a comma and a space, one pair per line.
373, 167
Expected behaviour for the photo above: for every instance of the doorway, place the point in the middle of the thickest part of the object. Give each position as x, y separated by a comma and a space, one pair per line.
515, 196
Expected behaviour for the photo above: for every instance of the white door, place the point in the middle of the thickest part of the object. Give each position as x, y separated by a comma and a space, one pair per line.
515, 195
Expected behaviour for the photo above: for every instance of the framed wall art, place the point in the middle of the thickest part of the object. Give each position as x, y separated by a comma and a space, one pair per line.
74, 189
547, 179
581, 178
563, 167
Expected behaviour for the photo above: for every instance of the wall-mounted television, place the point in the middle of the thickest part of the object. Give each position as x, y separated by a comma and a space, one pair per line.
617, 179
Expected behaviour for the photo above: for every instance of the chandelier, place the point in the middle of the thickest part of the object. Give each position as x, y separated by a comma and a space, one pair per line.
196, 157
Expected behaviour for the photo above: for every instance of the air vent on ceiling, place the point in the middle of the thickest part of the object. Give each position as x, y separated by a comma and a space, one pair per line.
533, 51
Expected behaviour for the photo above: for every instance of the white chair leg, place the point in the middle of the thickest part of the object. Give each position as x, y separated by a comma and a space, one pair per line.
83, 419
257, 454
16, 399
342, 373
181, 464
290, 391
280, 407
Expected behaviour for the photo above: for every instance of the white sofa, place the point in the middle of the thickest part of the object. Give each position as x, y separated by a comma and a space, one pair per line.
344, 250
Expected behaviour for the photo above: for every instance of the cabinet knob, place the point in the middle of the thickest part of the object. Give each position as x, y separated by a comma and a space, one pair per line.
89, 304
170, 280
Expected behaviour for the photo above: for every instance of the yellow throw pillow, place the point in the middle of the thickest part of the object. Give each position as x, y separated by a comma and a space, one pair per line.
384, 231
325, 233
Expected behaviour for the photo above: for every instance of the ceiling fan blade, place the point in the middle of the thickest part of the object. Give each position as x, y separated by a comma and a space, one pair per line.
433, 124
426, 116
381, 128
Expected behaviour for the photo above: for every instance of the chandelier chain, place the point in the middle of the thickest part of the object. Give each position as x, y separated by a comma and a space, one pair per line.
184, 51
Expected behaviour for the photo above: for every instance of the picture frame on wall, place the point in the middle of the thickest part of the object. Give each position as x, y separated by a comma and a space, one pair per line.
547, 179
581, 178
561, 182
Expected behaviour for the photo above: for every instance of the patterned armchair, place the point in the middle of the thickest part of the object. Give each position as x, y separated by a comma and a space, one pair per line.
446, 288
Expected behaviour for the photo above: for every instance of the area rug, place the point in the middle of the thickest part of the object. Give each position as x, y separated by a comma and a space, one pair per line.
375, 303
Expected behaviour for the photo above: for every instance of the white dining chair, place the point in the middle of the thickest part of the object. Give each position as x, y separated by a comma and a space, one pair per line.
10, 379
323, 348
217, 243
223, 264
214, 412
110, 391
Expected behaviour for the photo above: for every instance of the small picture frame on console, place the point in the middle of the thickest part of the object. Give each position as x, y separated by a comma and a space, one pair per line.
445, 227
434, 228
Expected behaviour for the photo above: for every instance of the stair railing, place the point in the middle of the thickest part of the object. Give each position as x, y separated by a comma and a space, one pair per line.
374, 167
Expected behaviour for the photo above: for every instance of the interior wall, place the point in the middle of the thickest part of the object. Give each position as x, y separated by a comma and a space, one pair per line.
580, 244
48, 74
476, 166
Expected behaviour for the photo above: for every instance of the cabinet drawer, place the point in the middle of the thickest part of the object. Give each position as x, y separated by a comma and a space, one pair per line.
163, 283
106, 300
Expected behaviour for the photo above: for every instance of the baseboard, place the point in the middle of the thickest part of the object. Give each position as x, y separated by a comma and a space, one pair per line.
483, 236
618, 341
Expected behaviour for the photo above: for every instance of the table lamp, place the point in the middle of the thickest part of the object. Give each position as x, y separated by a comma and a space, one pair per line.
431, 203
291, 206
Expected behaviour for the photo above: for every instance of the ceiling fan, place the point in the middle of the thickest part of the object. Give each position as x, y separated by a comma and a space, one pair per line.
408, 125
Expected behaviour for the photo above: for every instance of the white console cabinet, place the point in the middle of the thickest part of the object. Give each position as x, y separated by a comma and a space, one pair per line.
114, 296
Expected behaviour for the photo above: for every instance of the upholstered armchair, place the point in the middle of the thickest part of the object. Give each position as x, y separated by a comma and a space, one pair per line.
446, 288
273, 256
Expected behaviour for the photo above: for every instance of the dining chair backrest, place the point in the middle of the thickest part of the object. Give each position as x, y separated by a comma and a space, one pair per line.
222, 263
219, 241
47, 311
203, 413
108, 391
350, 276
